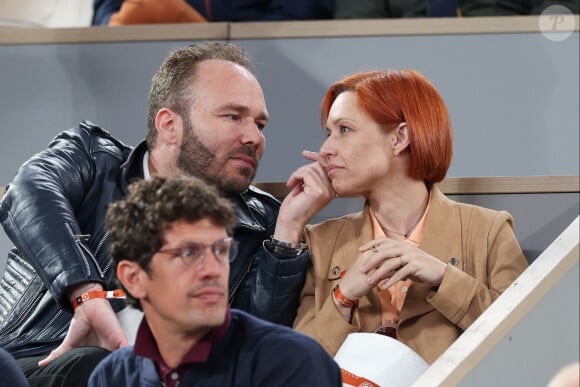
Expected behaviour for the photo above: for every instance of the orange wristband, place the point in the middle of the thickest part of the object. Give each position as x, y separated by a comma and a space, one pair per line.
117, 293
355, 380
342, 299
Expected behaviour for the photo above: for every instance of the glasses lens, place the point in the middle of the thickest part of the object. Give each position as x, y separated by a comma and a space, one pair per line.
221, 249
192, 252
233, 250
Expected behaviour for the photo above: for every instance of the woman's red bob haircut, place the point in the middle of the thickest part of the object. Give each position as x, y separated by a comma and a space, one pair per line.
391, 97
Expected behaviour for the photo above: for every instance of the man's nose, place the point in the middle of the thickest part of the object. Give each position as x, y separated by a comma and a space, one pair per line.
211, 265
252, 134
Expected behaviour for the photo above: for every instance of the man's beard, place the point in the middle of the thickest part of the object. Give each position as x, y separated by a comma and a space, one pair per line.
196, 159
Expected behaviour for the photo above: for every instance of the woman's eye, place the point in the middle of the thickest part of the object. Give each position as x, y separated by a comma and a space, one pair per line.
344, 129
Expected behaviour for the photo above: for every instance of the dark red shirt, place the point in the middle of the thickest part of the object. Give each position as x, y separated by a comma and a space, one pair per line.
146, 346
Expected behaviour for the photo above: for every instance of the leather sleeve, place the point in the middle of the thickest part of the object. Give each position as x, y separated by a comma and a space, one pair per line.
272, 288
38, 212
278, 286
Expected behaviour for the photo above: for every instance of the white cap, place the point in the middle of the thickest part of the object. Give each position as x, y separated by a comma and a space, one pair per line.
380, 359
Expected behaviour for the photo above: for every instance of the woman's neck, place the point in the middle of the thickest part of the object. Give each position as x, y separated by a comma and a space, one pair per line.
399, 208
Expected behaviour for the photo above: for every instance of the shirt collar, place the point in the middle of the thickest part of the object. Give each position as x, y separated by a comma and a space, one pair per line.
146, 346
146, 173
416, 235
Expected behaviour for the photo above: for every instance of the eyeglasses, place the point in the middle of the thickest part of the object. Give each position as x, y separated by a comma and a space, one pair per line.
192, 253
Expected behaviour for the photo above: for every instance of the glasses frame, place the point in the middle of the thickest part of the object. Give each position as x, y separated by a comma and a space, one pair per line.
197, 260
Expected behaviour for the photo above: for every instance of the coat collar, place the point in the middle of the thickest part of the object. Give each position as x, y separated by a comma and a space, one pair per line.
132, 168
442, 226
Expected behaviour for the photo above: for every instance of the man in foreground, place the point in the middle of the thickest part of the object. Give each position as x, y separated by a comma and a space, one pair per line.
171, 247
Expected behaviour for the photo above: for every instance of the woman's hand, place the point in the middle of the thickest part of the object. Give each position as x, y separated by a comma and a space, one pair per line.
310, 192
399, 260
355, 285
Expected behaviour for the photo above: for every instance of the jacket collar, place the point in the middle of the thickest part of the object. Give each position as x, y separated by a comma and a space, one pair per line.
247, 206
132, 168
442, 224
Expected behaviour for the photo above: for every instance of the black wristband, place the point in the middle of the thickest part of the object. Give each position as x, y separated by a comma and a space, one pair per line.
284, 249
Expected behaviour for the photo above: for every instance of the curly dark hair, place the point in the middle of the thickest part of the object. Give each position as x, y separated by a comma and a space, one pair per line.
137, 224
170, 86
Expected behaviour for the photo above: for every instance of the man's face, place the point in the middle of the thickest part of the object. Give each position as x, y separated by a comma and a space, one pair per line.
222, 140
186, 299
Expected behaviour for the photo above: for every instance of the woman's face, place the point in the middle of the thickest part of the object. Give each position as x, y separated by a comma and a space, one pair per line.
357, 155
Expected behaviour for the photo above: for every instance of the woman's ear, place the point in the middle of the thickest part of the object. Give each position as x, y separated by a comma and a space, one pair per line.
400, 138
169, 126
131, 275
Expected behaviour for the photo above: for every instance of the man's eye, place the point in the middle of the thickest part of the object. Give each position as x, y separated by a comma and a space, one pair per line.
186, 252
220, 249
191, 251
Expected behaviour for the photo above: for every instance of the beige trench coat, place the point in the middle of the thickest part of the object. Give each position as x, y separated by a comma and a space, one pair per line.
483, 258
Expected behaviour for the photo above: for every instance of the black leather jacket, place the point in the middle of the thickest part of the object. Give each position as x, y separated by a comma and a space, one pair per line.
54, 211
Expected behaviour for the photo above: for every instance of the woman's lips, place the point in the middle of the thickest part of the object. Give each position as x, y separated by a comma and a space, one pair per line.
331, 169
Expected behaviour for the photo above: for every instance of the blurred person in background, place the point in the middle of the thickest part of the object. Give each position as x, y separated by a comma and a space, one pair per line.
117, 12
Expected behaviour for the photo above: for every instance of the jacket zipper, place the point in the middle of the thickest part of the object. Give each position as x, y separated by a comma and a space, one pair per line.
237, 285
25, 314
78, 239
49, 324
98, 249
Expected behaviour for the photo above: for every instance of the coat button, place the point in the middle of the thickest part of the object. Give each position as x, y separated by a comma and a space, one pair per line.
335, 270
453, 261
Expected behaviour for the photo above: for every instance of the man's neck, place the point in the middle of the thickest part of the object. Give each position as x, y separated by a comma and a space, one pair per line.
173, 347
158, 164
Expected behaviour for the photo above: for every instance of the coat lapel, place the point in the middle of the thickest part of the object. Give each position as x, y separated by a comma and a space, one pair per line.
442, 226
350, 237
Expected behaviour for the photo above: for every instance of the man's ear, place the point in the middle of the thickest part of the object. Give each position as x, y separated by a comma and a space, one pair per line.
400, 138
131, 275
169, 126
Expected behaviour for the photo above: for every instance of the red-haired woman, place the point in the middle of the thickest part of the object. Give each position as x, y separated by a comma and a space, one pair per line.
413, 264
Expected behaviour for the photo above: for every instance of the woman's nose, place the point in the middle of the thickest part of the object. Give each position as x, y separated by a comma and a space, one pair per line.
327, 148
